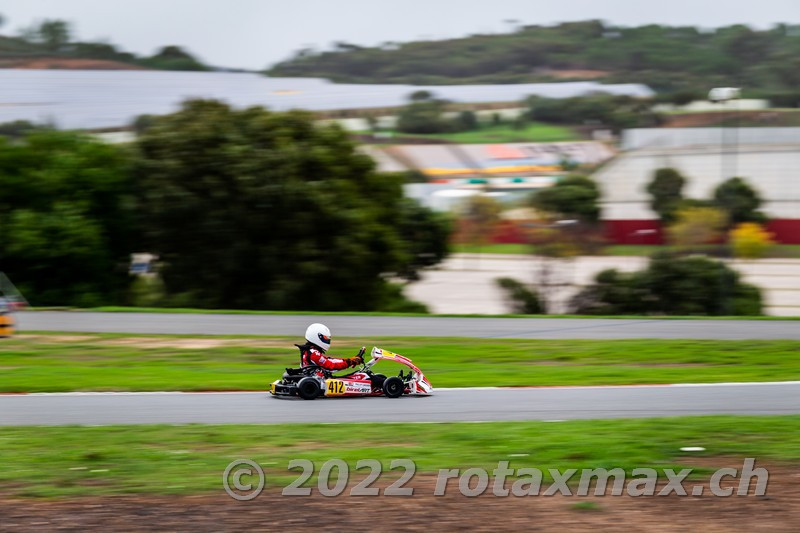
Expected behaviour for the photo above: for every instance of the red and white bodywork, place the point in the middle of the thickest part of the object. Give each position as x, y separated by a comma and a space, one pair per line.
419, 384
361, 382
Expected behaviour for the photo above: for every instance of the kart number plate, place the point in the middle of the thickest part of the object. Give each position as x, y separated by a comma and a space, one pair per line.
272, 389
335, 387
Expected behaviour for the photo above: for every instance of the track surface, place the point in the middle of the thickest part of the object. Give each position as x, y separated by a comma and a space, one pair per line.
445, 406
376, 326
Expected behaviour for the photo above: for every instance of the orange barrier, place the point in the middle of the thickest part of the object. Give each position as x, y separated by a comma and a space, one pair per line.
7, 325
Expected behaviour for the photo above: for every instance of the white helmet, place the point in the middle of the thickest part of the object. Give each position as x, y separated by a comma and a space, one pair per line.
319, 335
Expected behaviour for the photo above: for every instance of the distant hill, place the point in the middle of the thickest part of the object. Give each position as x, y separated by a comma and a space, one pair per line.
49, 45
669, 59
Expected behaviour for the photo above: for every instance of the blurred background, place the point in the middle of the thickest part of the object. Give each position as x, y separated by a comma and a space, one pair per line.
181, 173
260, 165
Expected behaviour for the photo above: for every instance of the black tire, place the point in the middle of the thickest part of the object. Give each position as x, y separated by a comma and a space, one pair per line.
308, 388
393, 387
377, 381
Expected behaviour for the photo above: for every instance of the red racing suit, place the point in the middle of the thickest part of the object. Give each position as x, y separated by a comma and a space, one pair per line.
312, 356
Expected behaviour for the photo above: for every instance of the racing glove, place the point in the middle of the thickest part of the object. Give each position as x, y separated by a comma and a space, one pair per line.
355, 361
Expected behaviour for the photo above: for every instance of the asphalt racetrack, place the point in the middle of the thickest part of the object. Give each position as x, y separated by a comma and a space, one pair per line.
453, 405
382, 326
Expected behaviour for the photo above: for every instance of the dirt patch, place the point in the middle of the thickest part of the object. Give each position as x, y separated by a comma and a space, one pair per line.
187, 343
55, 339
154, 342
779, 510
193, 343
41, 63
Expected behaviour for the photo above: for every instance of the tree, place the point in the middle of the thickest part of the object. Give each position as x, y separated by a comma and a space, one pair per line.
421, 96
739, 200
697, 225
424, 114
66, 218
683, 61
671, 285
425, 233
616, 112
19, 128
666, 192
261, 210
750, 241
554, 247
481, 214
466, 121
54, 34
574, 197
173, 58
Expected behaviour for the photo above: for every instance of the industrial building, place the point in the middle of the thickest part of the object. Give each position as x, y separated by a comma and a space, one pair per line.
767, 158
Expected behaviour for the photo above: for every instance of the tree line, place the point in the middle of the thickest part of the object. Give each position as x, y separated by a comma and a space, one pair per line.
426, 113
54, 38
246, 209
679, 60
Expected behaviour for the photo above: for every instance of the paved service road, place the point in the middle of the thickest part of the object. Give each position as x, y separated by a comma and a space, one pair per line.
378, 326
444, 406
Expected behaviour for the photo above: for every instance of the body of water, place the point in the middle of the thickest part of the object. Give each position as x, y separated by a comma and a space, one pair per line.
106, 99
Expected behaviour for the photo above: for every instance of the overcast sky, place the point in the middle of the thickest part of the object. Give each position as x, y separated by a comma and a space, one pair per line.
256, 33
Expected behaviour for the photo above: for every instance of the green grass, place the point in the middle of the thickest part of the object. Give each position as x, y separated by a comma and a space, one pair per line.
106, 362
85, 461
499, 248
585, 506
503, 133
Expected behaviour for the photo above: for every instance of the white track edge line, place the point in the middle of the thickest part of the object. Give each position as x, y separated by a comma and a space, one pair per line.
435, 390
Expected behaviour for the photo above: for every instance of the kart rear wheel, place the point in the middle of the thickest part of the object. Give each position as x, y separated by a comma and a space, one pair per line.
308, 388
393, 387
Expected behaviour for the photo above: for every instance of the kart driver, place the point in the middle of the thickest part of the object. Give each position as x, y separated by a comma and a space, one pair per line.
318, 338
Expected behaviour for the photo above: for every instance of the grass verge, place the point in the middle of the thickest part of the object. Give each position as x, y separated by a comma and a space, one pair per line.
116, 362
73, 461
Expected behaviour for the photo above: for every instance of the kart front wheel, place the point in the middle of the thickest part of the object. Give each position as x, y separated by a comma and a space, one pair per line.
308, 388
393, 387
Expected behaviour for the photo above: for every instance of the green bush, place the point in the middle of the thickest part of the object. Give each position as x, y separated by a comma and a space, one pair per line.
574, 197
522, 300
670, 285
147, 291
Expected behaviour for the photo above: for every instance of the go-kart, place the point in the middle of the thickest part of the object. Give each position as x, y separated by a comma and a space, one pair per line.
311, 382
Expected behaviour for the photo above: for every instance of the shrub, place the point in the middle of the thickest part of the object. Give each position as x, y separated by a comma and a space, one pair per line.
522, 300
739, 200
750, 240
671, 285
147, 291
666, 192
697, 225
